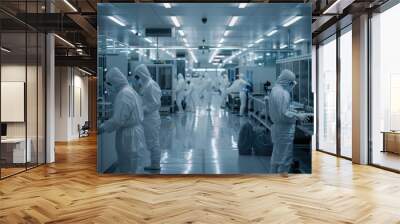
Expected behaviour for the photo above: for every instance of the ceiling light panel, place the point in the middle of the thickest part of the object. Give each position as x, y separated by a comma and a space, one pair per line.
292, 20
242, 5
233, 21
175, 21
116, 20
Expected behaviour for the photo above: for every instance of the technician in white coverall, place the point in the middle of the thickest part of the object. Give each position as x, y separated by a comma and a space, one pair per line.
180, 92
151, 97
239, 85
284, 123
126, 121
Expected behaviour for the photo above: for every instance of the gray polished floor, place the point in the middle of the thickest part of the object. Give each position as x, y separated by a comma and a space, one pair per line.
205, 142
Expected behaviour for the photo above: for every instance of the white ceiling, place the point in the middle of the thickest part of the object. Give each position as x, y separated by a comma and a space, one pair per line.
254, 21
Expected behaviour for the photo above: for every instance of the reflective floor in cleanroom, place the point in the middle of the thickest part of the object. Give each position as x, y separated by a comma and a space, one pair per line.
205, 142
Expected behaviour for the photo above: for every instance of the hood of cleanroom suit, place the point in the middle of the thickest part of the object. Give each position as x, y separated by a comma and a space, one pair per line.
286, 80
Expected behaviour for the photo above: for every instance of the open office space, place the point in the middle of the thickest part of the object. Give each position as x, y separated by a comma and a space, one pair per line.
220, 78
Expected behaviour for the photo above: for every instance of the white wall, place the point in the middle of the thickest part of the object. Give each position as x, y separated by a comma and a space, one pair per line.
69, 82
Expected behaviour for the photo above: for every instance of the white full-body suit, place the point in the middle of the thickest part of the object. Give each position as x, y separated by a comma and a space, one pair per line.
239, 85
151, 97
180, 92
223, 87
189, 92
126, 121
284, 122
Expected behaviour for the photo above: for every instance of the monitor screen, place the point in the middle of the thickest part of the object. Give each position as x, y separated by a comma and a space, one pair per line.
3, 129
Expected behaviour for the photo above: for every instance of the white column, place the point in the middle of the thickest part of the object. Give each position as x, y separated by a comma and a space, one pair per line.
50, 99
360, 90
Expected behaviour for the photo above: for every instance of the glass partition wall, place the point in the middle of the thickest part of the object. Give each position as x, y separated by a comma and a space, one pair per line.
327, 96
385, 90
334, 96
22, 77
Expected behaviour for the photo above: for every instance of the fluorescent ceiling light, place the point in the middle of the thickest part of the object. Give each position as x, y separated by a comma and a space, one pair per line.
291, 21
272, 32
84, 71
212, 56
331, 7
148, 40
64, 40
226, 33
134, 31
299, 41
5, 50
283, 46
242, 5
116, 20
207, 69
184, 40
181, 33
70, 5
193, 56
175, 21
250, 45
233, 21
167, 5
259, 40
222, 41
219, 45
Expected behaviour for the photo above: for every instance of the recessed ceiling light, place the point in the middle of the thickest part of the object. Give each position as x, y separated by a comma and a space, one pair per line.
167, 5
233, 21
226, 33
175, 21
292, 20
116, 20
259, 40
299, 41
242, 5
272, 32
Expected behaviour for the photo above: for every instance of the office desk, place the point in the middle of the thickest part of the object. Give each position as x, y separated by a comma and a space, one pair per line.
13, 150
391, 141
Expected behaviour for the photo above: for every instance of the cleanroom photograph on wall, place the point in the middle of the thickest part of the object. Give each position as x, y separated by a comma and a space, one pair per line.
204, 88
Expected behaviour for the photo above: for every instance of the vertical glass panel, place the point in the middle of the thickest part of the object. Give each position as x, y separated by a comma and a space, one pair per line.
346, 94
41, 98
327, 96
13, 93
32, 98
385, 84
